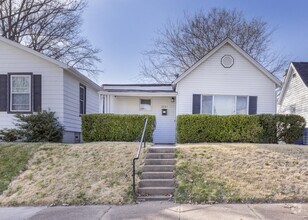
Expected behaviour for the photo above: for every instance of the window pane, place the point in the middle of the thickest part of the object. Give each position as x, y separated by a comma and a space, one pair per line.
21, 84
20, 102
207, 104
81, 92
145, 104
224, 105
241, 105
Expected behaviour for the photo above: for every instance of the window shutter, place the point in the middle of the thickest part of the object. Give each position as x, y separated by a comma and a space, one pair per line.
37, 93
3, 93
196, 103
253, 105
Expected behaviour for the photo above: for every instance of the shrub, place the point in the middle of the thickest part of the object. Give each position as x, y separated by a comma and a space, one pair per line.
111, 127
9, 135
40, 127
214, 128
264, 128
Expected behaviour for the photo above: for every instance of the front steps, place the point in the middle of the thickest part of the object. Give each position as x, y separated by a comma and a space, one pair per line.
157, 179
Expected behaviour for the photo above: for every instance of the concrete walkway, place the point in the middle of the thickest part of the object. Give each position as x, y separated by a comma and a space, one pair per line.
159, 210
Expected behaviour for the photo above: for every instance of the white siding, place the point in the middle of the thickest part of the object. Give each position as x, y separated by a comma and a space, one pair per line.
15, 60
296, 94
165, 125
72, 119
243, 78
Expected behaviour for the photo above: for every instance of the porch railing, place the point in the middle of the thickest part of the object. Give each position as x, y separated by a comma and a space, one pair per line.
142, 143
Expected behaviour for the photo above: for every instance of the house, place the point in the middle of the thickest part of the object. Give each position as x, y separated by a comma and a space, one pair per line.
293, 98
30, 82
225, 81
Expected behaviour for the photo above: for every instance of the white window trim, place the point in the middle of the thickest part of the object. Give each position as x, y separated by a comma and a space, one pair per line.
11, 92
235, 97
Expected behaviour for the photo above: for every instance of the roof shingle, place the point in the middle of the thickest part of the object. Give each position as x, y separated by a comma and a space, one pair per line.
302, 70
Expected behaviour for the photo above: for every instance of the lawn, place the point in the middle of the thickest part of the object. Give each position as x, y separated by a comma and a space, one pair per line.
13, 160
90, 173
209, 173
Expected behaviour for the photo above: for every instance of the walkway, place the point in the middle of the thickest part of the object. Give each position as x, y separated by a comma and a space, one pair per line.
159, 210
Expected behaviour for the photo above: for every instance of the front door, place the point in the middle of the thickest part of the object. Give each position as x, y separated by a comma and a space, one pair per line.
165, 112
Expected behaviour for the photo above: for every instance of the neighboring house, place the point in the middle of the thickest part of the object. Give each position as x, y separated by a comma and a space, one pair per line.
30, 82
226, 81
293, 98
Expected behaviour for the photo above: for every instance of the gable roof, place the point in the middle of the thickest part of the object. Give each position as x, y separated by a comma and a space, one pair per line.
238, 49
301, 68
64, 66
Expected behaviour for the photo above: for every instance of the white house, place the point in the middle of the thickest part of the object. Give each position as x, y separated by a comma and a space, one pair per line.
293, 98
225, 81
30, 82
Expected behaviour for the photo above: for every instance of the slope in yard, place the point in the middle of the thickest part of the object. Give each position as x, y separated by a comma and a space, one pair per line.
242, 173
92, 173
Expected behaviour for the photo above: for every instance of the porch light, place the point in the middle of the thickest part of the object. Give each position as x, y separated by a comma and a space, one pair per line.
172, 99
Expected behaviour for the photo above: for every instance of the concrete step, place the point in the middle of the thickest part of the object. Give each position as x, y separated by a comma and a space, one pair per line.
162, 150
156, 191
156, 183
160, 156
154, 198
157, 175
158, 168
159, 161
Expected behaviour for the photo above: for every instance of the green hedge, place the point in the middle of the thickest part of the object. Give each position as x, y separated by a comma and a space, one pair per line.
214, 128
239, 128
111, 127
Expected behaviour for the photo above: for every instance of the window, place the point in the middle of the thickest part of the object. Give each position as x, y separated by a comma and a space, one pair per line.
82, 99
20, 93
145, 104
224, 105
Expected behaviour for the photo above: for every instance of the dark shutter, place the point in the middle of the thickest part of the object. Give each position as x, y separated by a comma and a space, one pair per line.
3, 93
253, 105
37, 92
196, 104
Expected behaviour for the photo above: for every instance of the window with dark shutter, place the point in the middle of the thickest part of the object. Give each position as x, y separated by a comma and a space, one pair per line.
82, 99
3, 93
196, 104
253, 105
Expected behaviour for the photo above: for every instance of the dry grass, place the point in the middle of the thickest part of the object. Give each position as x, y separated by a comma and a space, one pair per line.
92, 173
242, 173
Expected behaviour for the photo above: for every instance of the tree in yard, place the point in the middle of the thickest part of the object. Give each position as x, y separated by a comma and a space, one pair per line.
51, 27
182, 44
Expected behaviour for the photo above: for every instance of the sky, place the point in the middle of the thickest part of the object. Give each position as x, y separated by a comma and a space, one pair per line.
124, 29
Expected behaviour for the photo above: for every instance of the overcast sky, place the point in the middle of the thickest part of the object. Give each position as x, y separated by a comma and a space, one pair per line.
123, 29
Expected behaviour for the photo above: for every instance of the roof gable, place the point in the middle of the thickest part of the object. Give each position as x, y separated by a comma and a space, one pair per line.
301, 68
238, 49
50, 60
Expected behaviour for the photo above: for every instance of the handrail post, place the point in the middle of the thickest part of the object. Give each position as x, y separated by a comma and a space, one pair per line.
134, 181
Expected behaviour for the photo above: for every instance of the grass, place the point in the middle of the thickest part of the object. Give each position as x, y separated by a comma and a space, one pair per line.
209, 173
13, 160
90, 173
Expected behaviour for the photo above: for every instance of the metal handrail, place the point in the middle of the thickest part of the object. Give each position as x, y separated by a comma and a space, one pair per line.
142, 141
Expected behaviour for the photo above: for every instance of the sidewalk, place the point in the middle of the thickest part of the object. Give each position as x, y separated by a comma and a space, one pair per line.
159, 210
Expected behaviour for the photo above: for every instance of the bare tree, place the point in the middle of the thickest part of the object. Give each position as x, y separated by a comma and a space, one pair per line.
51, 27
182, 44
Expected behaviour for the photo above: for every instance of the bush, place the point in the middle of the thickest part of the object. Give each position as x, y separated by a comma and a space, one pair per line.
214, 128
40, 127
264, 128
111, 127
9, 135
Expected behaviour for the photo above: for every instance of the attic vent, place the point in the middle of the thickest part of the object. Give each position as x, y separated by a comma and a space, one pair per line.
227, 61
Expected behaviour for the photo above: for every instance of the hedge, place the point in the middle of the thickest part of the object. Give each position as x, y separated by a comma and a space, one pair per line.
111, 127
239, 128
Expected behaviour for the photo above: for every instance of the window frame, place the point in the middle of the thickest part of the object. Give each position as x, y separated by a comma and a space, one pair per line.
10, 97
84, 101
143, 109
235, 101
